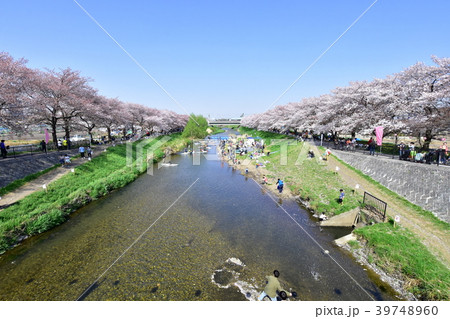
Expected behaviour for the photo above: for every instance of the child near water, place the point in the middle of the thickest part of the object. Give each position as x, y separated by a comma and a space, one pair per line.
341, 196
280, 185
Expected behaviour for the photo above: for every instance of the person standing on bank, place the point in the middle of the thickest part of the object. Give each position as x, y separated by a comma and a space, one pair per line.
280, 185
341, 196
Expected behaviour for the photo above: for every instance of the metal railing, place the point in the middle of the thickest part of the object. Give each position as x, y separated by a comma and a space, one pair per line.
34, 149
375, 205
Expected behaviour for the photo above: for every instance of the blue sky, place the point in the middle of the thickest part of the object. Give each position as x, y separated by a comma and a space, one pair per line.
224, 58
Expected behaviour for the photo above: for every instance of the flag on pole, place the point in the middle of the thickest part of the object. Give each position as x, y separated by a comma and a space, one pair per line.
47, 137
379, 135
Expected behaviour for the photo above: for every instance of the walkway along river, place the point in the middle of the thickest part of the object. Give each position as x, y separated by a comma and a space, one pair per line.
217, 242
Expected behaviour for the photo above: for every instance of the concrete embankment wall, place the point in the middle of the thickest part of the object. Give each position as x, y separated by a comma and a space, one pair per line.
12, 169
427, 186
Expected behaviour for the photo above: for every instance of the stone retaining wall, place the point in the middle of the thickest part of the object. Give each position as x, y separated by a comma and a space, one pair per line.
427, 186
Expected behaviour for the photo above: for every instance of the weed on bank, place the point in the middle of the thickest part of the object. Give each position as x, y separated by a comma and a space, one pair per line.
397, 251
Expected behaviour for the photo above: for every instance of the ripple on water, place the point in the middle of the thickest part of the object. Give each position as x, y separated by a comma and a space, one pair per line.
229, 276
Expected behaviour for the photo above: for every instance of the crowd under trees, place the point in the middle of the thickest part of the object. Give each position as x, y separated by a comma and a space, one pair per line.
64, 99
415, 101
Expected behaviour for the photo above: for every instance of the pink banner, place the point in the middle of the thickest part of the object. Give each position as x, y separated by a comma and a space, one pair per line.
379, 135
47, 137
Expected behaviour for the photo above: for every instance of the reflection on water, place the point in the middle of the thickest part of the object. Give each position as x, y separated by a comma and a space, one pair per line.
191, 252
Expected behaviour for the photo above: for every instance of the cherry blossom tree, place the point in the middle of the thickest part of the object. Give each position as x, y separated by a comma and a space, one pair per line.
15, 88
415, 100
91, 115
60, 97
424, 93
111, 115
65, 99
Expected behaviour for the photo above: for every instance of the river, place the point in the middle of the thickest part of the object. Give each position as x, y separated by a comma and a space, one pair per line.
217, 241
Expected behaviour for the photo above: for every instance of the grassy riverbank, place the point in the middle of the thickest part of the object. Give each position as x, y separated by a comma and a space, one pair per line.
308, 178
397, 251
45, 209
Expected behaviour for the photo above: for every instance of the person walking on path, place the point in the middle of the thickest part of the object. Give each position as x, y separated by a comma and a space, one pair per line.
3, 150
81, 150
44, 146
372, 144
280, 185
89, 152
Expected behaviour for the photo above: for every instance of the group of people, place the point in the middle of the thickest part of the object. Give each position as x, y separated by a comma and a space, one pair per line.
345, 144
231, 148
64, 160
83, 150
63, 144
410, 153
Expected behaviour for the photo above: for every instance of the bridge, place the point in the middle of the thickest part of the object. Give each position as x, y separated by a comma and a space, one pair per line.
224, 122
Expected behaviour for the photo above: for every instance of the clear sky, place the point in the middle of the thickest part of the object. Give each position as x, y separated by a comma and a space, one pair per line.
224, 58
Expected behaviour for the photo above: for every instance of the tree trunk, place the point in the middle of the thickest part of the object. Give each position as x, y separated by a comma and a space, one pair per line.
109, 133
419, 135
428, 137
67, 132
54, 136
90, 135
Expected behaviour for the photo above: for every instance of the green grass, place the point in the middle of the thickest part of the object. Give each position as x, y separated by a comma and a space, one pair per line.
419, 210
308, 178
397, 250
43, 210
312, 181
354, 244
20, 182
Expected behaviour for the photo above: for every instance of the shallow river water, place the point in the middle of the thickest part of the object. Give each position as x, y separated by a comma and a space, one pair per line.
217, 242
